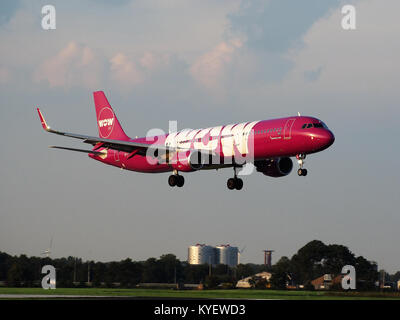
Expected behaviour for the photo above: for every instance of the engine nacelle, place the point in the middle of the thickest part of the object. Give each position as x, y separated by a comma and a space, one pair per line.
277, 167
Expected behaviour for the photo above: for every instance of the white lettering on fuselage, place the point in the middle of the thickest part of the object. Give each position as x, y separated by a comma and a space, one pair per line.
230, 137
106, 122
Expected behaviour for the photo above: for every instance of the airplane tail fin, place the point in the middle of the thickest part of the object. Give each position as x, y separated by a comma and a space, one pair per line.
107, 122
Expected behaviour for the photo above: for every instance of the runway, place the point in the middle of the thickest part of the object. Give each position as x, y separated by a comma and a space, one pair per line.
72, 297
94, 297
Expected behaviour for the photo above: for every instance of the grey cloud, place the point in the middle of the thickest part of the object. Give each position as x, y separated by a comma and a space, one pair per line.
313, 75
277, 25
8, 9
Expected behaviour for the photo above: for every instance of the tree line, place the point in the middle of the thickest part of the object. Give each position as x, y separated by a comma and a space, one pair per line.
310, 262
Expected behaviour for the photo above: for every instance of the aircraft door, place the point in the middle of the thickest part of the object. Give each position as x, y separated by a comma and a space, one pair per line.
287, 131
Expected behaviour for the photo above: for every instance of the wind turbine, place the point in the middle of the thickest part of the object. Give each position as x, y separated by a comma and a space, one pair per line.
240, 253
47, 252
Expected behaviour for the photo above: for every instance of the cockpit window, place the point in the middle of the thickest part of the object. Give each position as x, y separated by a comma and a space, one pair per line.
314, 125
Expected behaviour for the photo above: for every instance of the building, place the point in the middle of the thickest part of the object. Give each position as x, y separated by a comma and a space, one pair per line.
246, 282
202, 254
227, 254
326, 281
205, 254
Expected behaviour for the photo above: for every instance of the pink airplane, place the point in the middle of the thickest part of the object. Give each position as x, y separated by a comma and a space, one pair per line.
267, 144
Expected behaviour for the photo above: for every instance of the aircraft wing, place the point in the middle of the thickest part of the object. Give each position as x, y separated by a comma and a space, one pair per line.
131, 147
120, 145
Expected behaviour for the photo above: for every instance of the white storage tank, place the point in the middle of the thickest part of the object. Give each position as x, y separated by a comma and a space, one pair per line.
202, 254
227, 254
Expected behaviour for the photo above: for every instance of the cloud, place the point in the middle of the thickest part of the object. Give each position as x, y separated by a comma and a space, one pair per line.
86, 52
277, 25
124, 71
312, 75
209, 69
363, 61
151, 60
355, 69
74, 65
8, 9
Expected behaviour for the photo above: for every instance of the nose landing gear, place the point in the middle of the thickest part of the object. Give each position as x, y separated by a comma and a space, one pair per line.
234, 183
300, 160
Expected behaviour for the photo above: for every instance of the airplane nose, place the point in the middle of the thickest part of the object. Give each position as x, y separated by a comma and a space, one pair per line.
323, 139
327, 138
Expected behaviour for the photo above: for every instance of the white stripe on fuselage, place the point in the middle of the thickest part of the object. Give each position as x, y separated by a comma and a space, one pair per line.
231, 135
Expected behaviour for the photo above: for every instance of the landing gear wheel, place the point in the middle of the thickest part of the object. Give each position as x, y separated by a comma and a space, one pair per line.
235, 183
181, 181
302, 172
231, 183
173, 180
239, 184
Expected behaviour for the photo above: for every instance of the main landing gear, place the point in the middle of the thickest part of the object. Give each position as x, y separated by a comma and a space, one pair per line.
234, 183
176, 180
300, 160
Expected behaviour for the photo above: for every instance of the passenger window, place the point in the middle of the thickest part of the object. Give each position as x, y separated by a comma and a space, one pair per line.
304, 125
309, 125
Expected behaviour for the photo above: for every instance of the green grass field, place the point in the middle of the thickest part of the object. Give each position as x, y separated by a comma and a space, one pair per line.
201, 294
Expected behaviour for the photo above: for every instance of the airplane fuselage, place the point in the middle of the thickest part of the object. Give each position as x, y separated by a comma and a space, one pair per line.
257, 140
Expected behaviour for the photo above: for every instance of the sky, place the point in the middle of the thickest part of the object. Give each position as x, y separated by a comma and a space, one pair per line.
201, 63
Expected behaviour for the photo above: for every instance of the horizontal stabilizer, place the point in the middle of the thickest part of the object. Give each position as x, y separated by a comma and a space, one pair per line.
99, 153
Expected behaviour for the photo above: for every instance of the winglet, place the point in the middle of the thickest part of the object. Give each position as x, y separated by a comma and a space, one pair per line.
44, 124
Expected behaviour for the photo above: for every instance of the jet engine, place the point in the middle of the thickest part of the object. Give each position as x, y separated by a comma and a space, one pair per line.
276, 167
